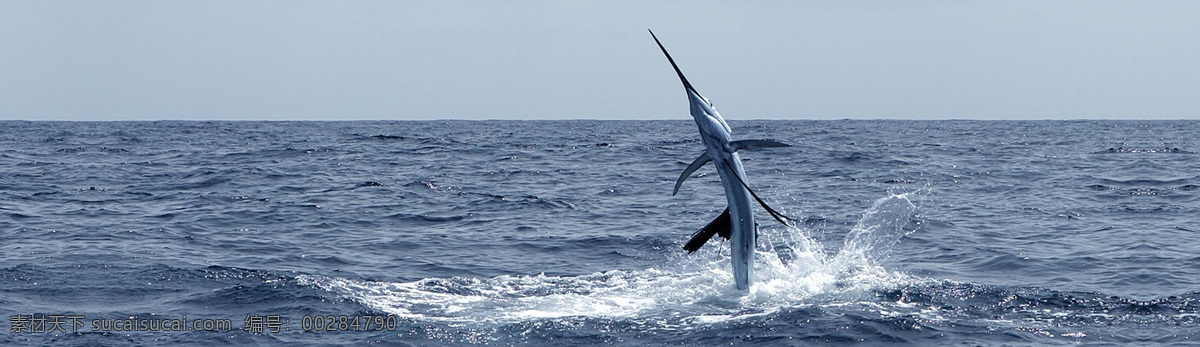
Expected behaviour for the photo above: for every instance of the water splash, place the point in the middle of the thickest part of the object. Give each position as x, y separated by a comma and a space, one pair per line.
880, 228
697, 288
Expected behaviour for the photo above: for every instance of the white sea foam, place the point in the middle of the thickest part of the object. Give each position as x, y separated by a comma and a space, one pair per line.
696, 288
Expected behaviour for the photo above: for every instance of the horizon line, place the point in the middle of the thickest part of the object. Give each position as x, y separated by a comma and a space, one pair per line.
592, 119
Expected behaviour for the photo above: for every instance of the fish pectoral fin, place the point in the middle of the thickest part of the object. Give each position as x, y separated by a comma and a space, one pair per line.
755, 144
696, 164
722, 226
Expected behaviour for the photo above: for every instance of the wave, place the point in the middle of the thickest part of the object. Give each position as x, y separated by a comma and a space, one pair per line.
792, 270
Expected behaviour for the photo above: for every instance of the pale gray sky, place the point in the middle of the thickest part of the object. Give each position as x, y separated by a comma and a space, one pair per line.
340, 60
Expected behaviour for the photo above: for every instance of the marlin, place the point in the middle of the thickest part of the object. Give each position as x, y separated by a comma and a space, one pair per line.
737, 222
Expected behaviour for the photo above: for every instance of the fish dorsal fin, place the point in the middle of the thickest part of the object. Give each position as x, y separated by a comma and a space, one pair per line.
722, 225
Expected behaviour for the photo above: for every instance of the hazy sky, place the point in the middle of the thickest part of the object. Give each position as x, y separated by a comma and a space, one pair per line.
335, 60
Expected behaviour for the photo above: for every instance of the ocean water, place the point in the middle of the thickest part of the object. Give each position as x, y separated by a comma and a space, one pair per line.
565, 232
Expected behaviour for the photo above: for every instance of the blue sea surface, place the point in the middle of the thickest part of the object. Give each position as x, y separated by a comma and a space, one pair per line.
566, 232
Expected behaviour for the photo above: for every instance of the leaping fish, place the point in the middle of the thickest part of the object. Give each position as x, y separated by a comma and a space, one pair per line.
737, 222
